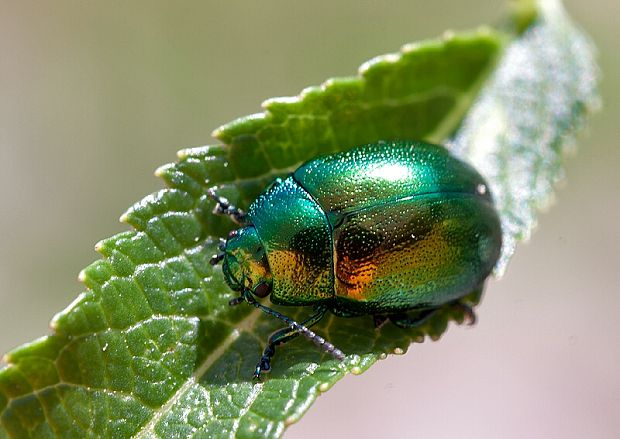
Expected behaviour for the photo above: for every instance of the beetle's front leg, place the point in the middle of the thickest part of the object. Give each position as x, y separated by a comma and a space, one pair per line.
223, 207
282, 336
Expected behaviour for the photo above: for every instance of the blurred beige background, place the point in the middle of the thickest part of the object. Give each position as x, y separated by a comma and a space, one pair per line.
95, 95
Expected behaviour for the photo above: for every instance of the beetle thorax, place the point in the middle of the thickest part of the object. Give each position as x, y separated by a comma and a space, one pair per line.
245, 263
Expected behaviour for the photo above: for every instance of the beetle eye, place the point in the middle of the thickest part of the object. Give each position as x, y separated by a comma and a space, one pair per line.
262, 290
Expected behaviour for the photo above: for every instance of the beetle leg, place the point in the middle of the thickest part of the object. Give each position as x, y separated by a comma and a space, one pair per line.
468, 310
407, 322
379, 320
285, 335
216, 259
236, 300
404, 321
223, 207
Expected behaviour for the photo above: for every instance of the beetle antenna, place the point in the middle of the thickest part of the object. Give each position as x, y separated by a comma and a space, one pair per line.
223, 207
310, 335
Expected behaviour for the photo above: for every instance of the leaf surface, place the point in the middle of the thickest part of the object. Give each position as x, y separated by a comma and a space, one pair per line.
152, 349
527, 116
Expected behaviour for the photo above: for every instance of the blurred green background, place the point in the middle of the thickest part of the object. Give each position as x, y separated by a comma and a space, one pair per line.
96, 95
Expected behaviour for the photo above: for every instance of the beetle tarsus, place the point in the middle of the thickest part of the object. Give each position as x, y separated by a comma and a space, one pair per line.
410, 322
379, 320
286, 334
468, 311
216, 259
236, 300
264, 364
417, 320
223, 207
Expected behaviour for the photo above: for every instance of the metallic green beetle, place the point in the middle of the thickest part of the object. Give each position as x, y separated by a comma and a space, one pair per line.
395, 230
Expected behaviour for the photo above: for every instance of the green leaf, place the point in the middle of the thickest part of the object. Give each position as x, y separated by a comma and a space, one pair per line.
152, 348
527, 116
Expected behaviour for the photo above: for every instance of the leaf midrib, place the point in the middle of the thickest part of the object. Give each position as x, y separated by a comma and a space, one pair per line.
442, 131
244, 325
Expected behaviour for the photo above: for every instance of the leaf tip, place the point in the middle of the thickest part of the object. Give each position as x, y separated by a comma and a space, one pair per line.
324, 387
389, 58
227, 132
217, 133
185, 153
161, 171
356, 370
55, 323
82, 276
290, 421
279, 100
99, 246
124, 218
200, 152
410, 47
309, 91
524, 12
448, 35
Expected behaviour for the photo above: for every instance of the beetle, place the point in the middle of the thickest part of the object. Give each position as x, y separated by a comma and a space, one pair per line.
396, 230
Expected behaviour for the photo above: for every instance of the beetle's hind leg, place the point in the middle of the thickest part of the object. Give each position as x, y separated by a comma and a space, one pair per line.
467, 310
409, 321
223, 207
285, 335
379, 320
421, 317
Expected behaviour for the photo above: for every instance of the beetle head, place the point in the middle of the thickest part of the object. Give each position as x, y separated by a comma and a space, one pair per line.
245, 263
